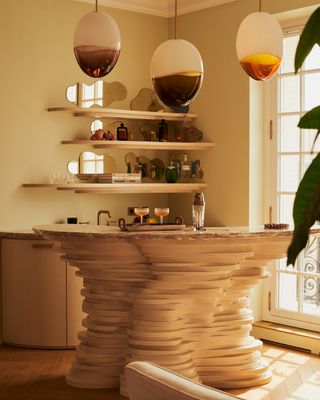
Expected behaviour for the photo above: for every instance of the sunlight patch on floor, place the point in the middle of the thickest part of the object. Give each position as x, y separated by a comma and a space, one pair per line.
296, 376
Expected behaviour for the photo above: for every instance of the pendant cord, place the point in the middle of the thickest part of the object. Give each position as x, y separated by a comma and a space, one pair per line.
96, 5
175, 19
260, 5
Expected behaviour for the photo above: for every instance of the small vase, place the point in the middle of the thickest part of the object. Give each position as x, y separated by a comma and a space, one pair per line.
171, 174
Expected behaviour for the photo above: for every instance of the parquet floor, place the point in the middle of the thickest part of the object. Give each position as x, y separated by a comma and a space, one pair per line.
30, 374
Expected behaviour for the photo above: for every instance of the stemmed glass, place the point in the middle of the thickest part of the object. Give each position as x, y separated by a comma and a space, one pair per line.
161, 212
141, 211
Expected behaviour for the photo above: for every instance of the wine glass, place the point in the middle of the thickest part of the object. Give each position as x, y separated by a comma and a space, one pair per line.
161, 212
141, 211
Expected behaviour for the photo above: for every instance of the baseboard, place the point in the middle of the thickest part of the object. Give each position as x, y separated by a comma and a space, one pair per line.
297, 338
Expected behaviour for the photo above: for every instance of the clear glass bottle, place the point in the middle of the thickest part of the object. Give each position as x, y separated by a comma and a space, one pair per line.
185, 170
198, 211
137, 168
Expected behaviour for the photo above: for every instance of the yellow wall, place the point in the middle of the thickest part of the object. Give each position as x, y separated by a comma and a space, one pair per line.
37, 64
223, 108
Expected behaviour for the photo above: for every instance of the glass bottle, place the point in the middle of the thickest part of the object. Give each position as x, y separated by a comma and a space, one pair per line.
137, 168
122, 132
185, 169
171, 173
198, 210
163, 131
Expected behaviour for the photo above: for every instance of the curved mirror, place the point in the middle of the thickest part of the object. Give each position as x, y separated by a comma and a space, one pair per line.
99, 93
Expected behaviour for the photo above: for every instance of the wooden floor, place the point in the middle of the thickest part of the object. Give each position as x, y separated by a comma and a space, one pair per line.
39, 374
27, 374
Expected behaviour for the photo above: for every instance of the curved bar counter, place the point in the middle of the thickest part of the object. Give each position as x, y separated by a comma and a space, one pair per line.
178, 299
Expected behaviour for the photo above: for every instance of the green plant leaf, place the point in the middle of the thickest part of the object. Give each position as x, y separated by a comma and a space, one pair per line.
301, 232
309, 37
306, 191
306, 208
310, 120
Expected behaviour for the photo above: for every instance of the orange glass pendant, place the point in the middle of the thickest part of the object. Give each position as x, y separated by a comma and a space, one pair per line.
259, 45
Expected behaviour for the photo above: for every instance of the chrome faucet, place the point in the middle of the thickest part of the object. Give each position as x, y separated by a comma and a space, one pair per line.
102, 212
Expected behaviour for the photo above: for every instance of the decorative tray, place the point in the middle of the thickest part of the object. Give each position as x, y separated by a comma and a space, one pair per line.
151, 227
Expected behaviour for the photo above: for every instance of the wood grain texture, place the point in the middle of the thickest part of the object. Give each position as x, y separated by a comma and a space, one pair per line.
182, 304
29, 374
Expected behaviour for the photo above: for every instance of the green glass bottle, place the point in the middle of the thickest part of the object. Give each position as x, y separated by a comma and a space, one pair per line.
171, 173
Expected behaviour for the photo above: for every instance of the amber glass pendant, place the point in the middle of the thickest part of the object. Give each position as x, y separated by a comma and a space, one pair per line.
259, 45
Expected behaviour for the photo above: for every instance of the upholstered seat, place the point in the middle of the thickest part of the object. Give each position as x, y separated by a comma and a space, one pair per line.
147, 381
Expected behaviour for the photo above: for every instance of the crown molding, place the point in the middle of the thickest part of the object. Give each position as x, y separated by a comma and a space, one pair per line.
188, 6
163, 8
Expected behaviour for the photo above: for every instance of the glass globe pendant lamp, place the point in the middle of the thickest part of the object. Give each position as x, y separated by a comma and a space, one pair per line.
176, 71
96, 43
259, 45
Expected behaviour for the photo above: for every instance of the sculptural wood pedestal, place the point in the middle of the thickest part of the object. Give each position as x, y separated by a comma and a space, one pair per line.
178, 299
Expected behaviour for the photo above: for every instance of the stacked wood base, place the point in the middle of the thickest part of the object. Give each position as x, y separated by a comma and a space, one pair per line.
182, 304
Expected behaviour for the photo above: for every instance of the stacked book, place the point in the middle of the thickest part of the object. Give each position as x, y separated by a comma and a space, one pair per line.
119, 177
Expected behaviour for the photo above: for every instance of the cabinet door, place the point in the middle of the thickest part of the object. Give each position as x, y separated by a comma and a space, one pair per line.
75, 314
34, 294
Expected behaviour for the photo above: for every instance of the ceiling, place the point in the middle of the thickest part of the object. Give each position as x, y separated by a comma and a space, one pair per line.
163, 8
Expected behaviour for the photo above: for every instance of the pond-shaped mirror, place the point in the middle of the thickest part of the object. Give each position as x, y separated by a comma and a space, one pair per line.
99, 93
146, 100
90, 163
73, 167
152, 169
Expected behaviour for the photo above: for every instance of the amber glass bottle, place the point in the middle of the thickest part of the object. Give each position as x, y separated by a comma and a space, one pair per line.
122, 132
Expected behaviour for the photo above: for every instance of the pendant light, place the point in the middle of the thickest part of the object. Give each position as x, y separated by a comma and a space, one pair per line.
176, 71
96, 43
259, 45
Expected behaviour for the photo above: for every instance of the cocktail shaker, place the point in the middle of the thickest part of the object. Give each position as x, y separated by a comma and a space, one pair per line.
198, 210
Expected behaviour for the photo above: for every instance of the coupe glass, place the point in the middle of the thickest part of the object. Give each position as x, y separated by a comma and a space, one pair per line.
161, 212
141, 211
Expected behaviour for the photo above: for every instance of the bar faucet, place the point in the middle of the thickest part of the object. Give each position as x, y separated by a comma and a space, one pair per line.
102, 212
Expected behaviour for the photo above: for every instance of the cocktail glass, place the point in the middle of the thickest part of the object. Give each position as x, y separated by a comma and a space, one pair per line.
161, 212
141, 211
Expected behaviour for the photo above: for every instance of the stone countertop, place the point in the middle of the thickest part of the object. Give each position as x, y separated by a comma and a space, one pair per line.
22, 234
63, 231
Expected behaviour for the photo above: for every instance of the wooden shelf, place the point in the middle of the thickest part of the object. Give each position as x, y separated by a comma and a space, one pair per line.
122, 187
141, 145
97, 112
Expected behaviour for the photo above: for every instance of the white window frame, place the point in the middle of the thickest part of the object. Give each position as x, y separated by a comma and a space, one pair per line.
270, 287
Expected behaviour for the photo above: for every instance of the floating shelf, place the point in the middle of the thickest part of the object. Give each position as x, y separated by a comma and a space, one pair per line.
122, 187
142, 145
96, 112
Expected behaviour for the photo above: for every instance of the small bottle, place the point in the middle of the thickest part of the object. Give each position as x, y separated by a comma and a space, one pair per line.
122, 132
137, 168
163, 131
171, 173
153, 172
152, 136
198, 210
185, 169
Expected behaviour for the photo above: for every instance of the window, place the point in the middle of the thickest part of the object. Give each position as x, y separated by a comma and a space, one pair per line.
294, 292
